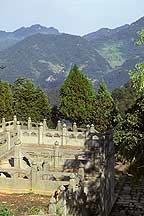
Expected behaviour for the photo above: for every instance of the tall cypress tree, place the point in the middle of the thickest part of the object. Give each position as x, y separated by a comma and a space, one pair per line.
104, 109
76, 96
6, 101
30, 101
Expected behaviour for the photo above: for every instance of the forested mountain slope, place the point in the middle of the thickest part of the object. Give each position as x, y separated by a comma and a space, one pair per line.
47, 59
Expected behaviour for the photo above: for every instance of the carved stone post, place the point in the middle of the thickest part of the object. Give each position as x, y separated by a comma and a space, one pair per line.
19, 131
87, 131
56, 155
15, 121
3, 123
17, 154
72, 182
44, 125
29, 123
59, 126
40, 134
92, 128
88, 127
64, 133
74, 127
8, 140
34, 176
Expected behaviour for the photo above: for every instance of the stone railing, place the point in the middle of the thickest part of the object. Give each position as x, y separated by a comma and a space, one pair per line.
8, 137
30, 180
38, 133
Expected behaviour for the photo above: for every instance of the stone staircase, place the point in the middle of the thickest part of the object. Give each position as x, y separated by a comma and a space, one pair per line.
130, 201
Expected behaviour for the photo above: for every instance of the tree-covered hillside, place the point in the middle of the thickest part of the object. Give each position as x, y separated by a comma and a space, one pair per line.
47, 59
118, 47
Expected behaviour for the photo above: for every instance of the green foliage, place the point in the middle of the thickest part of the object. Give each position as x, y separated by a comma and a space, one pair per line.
137, 78
30, 101
110, 50
6, 101
124, 97
105, 113
79, 104
76, 97
129, 134
34, 210
4, 212
141, 39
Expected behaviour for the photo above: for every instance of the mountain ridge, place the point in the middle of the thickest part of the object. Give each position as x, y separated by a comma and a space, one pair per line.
8, 39
47, 59
104, 32
109, 56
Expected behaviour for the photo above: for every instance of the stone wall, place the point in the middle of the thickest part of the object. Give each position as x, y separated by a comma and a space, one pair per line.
16, 183
91, 190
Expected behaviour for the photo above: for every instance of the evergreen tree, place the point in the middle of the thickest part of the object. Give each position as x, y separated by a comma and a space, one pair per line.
6, 101
105, 113
76, 97
30, 101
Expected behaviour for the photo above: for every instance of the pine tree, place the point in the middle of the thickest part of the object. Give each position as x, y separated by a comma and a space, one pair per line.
104, 109
76, 96
30, 101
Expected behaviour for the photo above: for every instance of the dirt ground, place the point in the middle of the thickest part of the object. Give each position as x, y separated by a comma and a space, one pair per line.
23, 204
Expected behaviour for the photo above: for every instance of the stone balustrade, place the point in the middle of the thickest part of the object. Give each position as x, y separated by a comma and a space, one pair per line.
38, 133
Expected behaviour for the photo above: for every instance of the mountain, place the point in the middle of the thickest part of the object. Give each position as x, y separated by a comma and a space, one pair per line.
47, 59
120, 75
118, 45
46, 56
7, 39
104, 32
34, 29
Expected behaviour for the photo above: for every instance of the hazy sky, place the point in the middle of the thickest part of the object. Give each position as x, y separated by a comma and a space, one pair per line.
71, 16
